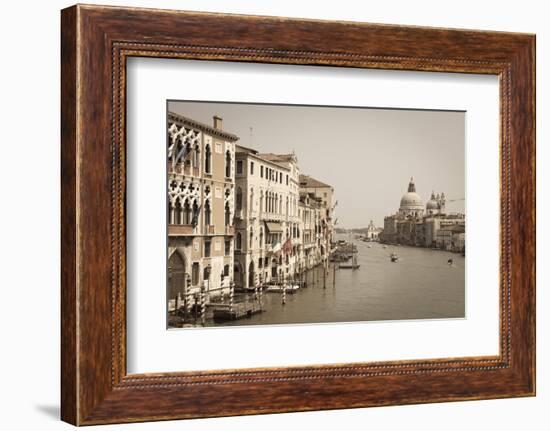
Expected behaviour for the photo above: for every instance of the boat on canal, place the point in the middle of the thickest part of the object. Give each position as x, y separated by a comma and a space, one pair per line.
278, 288
354, 265
394, 257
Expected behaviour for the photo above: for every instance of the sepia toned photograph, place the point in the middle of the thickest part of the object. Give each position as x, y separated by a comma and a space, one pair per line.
292, 214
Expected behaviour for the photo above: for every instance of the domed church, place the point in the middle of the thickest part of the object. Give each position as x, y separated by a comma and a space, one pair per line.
411, 202
416, 225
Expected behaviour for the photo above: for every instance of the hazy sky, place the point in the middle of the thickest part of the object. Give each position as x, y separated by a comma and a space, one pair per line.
367, 155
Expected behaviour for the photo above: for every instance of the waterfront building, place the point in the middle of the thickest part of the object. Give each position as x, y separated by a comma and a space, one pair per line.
319, 201
236, 215
373, 232
432, 227
201, 183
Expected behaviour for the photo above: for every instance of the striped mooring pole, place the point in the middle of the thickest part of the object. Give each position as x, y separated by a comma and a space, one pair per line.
203, 304
188, 298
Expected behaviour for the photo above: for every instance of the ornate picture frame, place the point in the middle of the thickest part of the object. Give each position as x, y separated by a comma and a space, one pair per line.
96, 41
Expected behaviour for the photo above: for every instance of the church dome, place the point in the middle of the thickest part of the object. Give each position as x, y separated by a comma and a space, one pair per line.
411, 200
432, 203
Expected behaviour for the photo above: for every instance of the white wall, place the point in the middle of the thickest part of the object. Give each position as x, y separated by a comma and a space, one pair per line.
29, 236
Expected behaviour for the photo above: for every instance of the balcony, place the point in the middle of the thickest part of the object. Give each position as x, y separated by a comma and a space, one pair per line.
209, 230
183, 169
230, 230
180, 230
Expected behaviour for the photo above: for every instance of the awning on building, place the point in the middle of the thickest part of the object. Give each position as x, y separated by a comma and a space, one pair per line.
274, 227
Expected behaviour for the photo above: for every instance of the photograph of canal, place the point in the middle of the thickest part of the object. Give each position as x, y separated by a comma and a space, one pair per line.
294, 214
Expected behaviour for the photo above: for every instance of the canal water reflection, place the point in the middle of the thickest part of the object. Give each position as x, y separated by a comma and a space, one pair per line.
421, 285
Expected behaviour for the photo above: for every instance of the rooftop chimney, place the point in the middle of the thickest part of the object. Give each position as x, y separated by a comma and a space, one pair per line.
218, 122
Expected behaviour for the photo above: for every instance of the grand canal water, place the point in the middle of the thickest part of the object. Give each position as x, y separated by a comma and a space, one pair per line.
421, 285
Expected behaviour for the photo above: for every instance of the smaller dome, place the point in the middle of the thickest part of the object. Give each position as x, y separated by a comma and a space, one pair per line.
432, 205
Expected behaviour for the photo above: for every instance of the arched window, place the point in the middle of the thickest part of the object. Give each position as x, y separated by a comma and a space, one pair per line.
177, 212
186, 154
227, 215
186, 212
239, 199
196, 157
208, 159
238, 241
287, 206
261, 237
251, 238
261, 200
251, 203
228, 164
207, 213
195, 219
170, 212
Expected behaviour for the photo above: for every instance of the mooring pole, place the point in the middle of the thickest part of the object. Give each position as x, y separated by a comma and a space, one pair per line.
325, 274
203, 304
231, 293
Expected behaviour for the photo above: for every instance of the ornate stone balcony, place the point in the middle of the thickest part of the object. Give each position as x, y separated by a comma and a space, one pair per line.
230, 230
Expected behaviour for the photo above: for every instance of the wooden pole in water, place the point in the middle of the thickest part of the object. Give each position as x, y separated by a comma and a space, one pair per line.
325, 275
231, 293
334, 274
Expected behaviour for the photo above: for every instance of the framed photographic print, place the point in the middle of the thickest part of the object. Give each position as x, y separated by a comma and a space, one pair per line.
266, 215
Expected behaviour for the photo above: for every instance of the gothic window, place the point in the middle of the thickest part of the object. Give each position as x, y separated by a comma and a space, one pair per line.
195, 219
207, 245
239, 203
261, 171
251, 238
187, 153
177, 212
227, 247
226, 271
227, 215
287, 206
207, 213
208, 159
186, 212
261, 200
251, 168
261, 237
251, 203
170, 213
238, 241
228, 164
239, 167
196, 158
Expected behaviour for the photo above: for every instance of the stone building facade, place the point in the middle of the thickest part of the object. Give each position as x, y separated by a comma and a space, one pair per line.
201, 202
274, 233
238, 216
